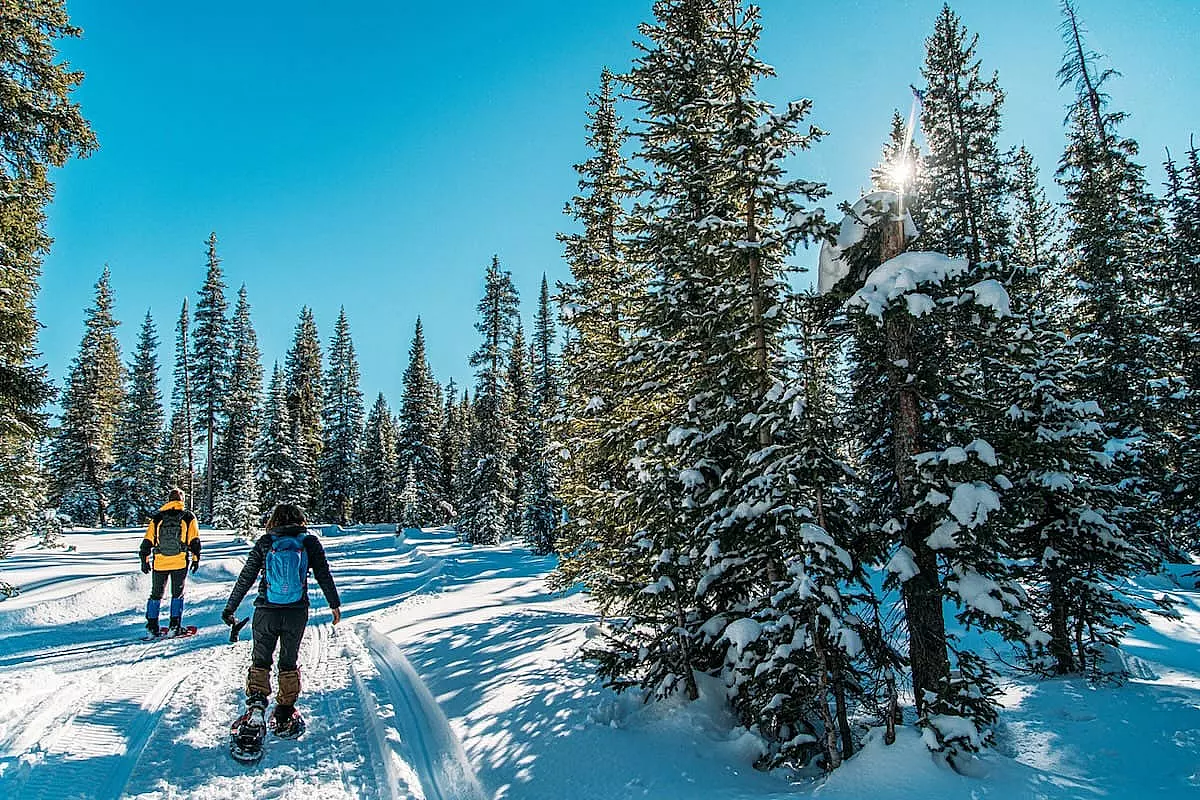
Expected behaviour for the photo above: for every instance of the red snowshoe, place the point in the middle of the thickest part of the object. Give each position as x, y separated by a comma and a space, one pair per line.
287, 727
246, 736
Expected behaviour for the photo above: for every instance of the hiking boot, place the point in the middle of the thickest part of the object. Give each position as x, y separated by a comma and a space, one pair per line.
152, 626
175, 628
258, 701
286, 722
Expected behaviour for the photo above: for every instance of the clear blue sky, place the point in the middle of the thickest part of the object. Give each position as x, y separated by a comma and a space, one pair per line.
376, 156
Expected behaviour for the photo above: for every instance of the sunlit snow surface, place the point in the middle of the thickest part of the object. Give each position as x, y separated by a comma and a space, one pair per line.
455, 675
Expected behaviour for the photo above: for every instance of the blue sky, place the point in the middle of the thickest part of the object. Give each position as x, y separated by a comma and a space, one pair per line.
376, 156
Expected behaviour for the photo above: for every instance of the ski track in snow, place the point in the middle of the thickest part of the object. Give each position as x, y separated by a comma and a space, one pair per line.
118, 717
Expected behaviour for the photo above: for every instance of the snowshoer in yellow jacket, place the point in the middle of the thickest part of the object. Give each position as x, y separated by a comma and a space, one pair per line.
171, 537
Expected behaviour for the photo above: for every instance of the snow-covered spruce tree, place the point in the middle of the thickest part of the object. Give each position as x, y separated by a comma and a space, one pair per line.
210, 370
524, 451
179, 463
43, 128
931, 479
964, 187
1067, 513
901, 167
484, 517
1115, 259
305, 400
380, 482
716, 221
462, 453
596, 307
342, 425
279, 481
418, 448
136, 485
81, 458
543, 509
237, 502
799, 648
1183, 207
448, 437
1036, 239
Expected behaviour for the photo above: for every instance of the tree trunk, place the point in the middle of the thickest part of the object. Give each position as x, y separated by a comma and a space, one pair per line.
921, 593
1060, 625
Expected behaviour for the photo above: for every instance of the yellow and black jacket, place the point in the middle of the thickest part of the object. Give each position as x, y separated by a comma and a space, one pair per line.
189, 536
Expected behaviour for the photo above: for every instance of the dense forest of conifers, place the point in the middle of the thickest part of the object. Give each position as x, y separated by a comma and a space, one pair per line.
984, 421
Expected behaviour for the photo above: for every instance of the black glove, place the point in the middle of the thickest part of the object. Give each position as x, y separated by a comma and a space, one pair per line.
145, 567
195, 564
228, 618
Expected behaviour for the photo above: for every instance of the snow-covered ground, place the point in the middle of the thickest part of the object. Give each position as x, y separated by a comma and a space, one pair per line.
454, 675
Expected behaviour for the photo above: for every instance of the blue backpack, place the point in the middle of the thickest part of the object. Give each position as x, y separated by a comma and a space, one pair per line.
286, 569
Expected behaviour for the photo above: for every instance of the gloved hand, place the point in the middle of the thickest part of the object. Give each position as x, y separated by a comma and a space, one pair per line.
195, 564
145, 567
228, 618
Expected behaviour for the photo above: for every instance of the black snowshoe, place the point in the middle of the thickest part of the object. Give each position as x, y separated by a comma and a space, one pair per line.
247, 734
287, 727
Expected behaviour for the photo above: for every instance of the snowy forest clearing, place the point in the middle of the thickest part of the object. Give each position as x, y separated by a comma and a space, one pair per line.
495, 702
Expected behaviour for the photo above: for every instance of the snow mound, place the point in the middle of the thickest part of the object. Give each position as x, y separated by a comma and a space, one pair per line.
902, 275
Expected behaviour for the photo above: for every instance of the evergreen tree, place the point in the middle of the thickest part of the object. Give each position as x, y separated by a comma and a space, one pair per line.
542, 509
342, 425
448, 437
598, 307
1183, 317
179, 468
964, 189
463, 453
279, 481
901, 168
237, 502
210, 368
43, 128
378, 465
420, 461
1036, 236
525, 444
1115, 260
715, 224
305, 401
137, 471
487, 505
82, 457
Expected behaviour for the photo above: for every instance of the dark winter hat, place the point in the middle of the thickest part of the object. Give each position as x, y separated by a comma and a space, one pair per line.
175, 494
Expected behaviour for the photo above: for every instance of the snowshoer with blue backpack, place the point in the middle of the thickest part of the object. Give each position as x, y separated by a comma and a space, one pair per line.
283, 557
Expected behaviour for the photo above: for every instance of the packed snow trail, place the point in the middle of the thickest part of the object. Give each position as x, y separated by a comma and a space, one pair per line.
89, 711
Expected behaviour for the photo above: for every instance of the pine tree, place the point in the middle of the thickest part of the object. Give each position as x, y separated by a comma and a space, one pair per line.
486, 508
598, 307
1183, 206
237, 502
137, 469
1116, 260
179, 467
448, 437
524, 452
1036, 236
420, 459
342, 426
210, 365
542, 508
275, 453
82, 457
378, 465
964, 190
465, 462
305, 400
715, 224
43, 128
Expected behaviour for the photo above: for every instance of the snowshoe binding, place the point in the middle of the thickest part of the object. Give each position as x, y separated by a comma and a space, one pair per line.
246, 735
171, 633
287, 726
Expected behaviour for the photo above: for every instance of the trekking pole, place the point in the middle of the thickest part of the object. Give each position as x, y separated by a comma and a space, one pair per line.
236, 628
